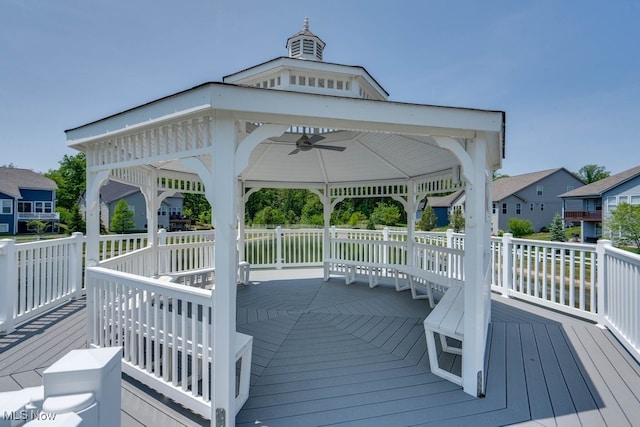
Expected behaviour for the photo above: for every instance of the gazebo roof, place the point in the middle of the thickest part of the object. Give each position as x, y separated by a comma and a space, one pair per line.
383, 140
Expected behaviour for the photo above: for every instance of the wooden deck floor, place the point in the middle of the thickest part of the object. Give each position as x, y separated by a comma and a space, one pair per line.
329, 354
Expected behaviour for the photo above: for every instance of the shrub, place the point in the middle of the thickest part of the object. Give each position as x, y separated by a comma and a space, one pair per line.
428, 220
520, 227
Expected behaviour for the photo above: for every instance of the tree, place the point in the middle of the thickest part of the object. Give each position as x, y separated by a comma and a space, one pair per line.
428, 220
70, 178
38, 227
357, 219
122, 220
592, 173
520, 227
624, 224
456, 219
269, 216
556, 228
385, 214
75, 222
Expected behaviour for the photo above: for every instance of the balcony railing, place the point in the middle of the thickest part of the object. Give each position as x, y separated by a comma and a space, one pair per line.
42, 216
583, 216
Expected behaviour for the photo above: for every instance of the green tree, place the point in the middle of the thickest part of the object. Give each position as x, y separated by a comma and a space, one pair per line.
428, 220
520, 227
38, 227
592, 173
356, 219
70, 178
122, 220
75, 222
456, 219
624, 224
196, 207
556, 229
385, 214
312, 211
269, 216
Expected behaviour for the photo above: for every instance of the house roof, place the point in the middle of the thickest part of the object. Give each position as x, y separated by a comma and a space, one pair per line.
599, 187
12, 180
114, 190
508, 186
444, 201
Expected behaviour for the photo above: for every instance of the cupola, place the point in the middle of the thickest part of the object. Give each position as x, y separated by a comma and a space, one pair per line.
305, 44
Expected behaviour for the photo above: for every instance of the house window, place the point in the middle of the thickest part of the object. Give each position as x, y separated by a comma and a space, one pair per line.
494, 208
541, 206
531, 206
25, 207
623, 199
4, 228
43, 207
612, 203
6, 206
518, 208
539, 190
504, 208
635, 200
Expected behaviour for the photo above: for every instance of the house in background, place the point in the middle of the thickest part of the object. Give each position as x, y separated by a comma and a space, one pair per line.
597, 200
26, 196
170, 216
442, 206
532, 196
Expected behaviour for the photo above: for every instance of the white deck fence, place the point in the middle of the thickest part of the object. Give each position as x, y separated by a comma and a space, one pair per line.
596, 282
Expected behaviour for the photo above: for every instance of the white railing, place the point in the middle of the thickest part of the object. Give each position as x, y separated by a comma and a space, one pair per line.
619, 296
164, 330
560, 276
577, 279
37, 276
112, 245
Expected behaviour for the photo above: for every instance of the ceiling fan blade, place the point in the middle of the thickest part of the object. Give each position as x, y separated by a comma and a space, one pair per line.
296, 151
315, 138
329, 147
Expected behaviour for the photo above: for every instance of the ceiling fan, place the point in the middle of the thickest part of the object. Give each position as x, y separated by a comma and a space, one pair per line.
306, 143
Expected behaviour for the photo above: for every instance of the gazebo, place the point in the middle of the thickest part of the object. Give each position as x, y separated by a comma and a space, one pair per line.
297, 122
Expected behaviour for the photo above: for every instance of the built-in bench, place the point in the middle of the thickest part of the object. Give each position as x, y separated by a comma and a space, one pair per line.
374, 271
446, 320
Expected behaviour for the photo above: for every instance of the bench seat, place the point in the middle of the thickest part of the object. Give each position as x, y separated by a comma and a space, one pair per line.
350, 268
446, 320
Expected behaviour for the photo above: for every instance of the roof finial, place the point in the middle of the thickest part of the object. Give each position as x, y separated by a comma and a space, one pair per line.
306, 24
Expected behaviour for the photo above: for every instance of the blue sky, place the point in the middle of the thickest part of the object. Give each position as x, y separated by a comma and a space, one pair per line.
567, 73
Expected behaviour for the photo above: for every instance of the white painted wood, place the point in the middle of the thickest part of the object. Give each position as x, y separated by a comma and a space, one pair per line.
224, 299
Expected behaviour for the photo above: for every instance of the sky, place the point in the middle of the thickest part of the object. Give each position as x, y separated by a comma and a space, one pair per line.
566, 72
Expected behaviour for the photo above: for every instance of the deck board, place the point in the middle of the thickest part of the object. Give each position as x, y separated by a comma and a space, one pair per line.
325, 353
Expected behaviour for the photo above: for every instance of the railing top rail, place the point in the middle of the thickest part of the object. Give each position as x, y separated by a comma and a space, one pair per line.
119, 258
621, 253
193, 294
589, 247
45, 242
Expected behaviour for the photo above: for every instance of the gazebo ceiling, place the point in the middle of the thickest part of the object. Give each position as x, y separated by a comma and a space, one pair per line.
368, 156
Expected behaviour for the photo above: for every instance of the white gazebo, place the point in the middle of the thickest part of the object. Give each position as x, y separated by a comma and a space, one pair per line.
297, 122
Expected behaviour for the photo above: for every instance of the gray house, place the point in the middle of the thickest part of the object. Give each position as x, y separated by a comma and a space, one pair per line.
170, 216
442, 206
532, 196
596, 201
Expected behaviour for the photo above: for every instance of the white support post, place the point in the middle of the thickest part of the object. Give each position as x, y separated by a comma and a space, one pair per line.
241, 220
477, 296
601, 287
163, 260
75, 282
225, 202
507, 264
326, 213
92, 252
411, 209
8, 284
278, 248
